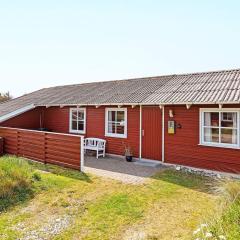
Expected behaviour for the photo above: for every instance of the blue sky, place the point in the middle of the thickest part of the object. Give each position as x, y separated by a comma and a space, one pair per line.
47, 43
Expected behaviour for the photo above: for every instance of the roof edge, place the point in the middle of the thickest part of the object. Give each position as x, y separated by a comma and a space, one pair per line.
16, 113
138, 104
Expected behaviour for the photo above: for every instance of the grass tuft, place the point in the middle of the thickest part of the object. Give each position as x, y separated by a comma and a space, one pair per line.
225, 224
16, 181
228, 224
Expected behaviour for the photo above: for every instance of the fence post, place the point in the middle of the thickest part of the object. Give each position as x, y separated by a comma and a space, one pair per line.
18, 143
44, 147
82, 154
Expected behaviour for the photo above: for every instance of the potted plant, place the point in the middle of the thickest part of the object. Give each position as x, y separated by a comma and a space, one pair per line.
128, 153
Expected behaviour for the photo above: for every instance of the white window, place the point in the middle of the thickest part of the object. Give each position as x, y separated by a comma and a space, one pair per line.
77, 120
220, 127
116, 122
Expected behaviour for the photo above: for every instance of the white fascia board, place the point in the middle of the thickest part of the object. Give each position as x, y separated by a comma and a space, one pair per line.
16, 113
138, 104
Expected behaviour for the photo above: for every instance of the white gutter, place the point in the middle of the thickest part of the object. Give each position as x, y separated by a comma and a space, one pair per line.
140, 132
16, 113
163, 131
135, 104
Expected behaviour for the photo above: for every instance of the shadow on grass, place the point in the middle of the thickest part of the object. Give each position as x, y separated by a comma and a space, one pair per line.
187, 180
61, 171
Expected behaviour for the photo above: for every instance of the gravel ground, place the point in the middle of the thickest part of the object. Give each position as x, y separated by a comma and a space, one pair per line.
54, 227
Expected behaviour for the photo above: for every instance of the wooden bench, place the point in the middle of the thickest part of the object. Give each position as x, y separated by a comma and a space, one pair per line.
95, 144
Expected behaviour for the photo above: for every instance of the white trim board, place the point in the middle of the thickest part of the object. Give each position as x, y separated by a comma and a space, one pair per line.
84, 120
16, 113
201, 128
116, 135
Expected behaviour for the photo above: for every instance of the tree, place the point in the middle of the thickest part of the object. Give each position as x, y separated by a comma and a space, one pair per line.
5, 97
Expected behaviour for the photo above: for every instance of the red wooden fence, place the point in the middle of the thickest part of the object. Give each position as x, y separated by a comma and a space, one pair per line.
47, 147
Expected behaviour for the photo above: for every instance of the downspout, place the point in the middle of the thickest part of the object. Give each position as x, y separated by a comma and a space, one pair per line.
40, 123
42, 119
140, 132
163, 133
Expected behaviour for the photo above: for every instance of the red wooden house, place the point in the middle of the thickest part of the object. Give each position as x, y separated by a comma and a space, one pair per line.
187, 119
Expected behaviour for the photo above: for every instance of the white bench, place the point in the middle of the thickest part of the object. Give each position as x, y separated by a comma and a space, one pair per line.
95, 144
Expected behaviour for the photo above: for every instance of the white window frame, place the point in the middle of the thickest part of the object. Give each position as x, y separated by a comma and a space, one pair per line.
70, 121
201, 127
117, 135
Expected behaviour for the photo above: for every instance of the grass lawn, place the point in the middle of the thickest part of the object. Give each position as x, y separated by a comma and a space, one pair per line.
66, 204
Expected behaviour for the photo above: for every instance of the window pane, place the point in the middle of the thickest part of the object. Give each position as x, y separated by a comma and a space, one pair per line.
80, 115
111, 127
74, 115
80, 126
120, 116
229, 119
111, 115
120, 129
211, 119
74, 125
228, 136
211, 135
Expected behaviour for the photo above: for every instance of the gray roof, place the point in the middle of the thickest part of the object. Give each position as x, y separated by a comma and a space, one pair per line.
195, 88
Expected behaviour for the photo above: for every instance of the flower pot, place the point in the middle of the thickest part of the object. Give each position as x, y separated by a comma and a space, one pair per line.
129, 158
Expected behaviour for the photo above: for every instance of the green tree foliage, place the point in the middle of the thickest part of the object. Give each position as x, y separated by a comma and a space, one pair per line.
5, 97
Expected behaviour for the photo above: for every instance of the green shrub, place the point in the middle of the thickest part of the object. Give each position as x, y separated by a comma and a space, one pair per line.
15, 181
36, 176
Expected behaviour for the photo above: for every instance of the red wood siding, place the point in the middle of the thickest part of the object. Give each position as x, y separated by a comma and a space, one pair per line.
152, 137
27, 120
96, 128
183, 147
56, 119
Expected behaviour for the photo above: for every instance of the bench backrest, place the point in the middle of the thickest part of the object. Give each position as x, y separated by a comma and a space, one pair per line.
95, 142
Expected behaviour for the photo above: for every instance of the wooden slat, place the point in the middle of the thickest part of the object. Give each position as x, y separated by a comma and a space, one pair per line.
31, 134
60, 143
72, 139
64, 164
31, 155
63, 154
63, 148
33, 137
30, 144
34, 150
8, 131
61, 159
10, 141
34, 142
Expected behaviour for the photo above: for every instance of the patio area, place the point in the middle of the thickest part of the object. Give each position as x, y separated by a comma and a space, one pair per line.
119, 169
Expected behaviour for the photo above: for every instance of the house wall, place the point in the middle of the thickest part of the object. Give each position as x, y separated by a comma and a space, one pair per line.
57, 119
183, 147
27, 120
